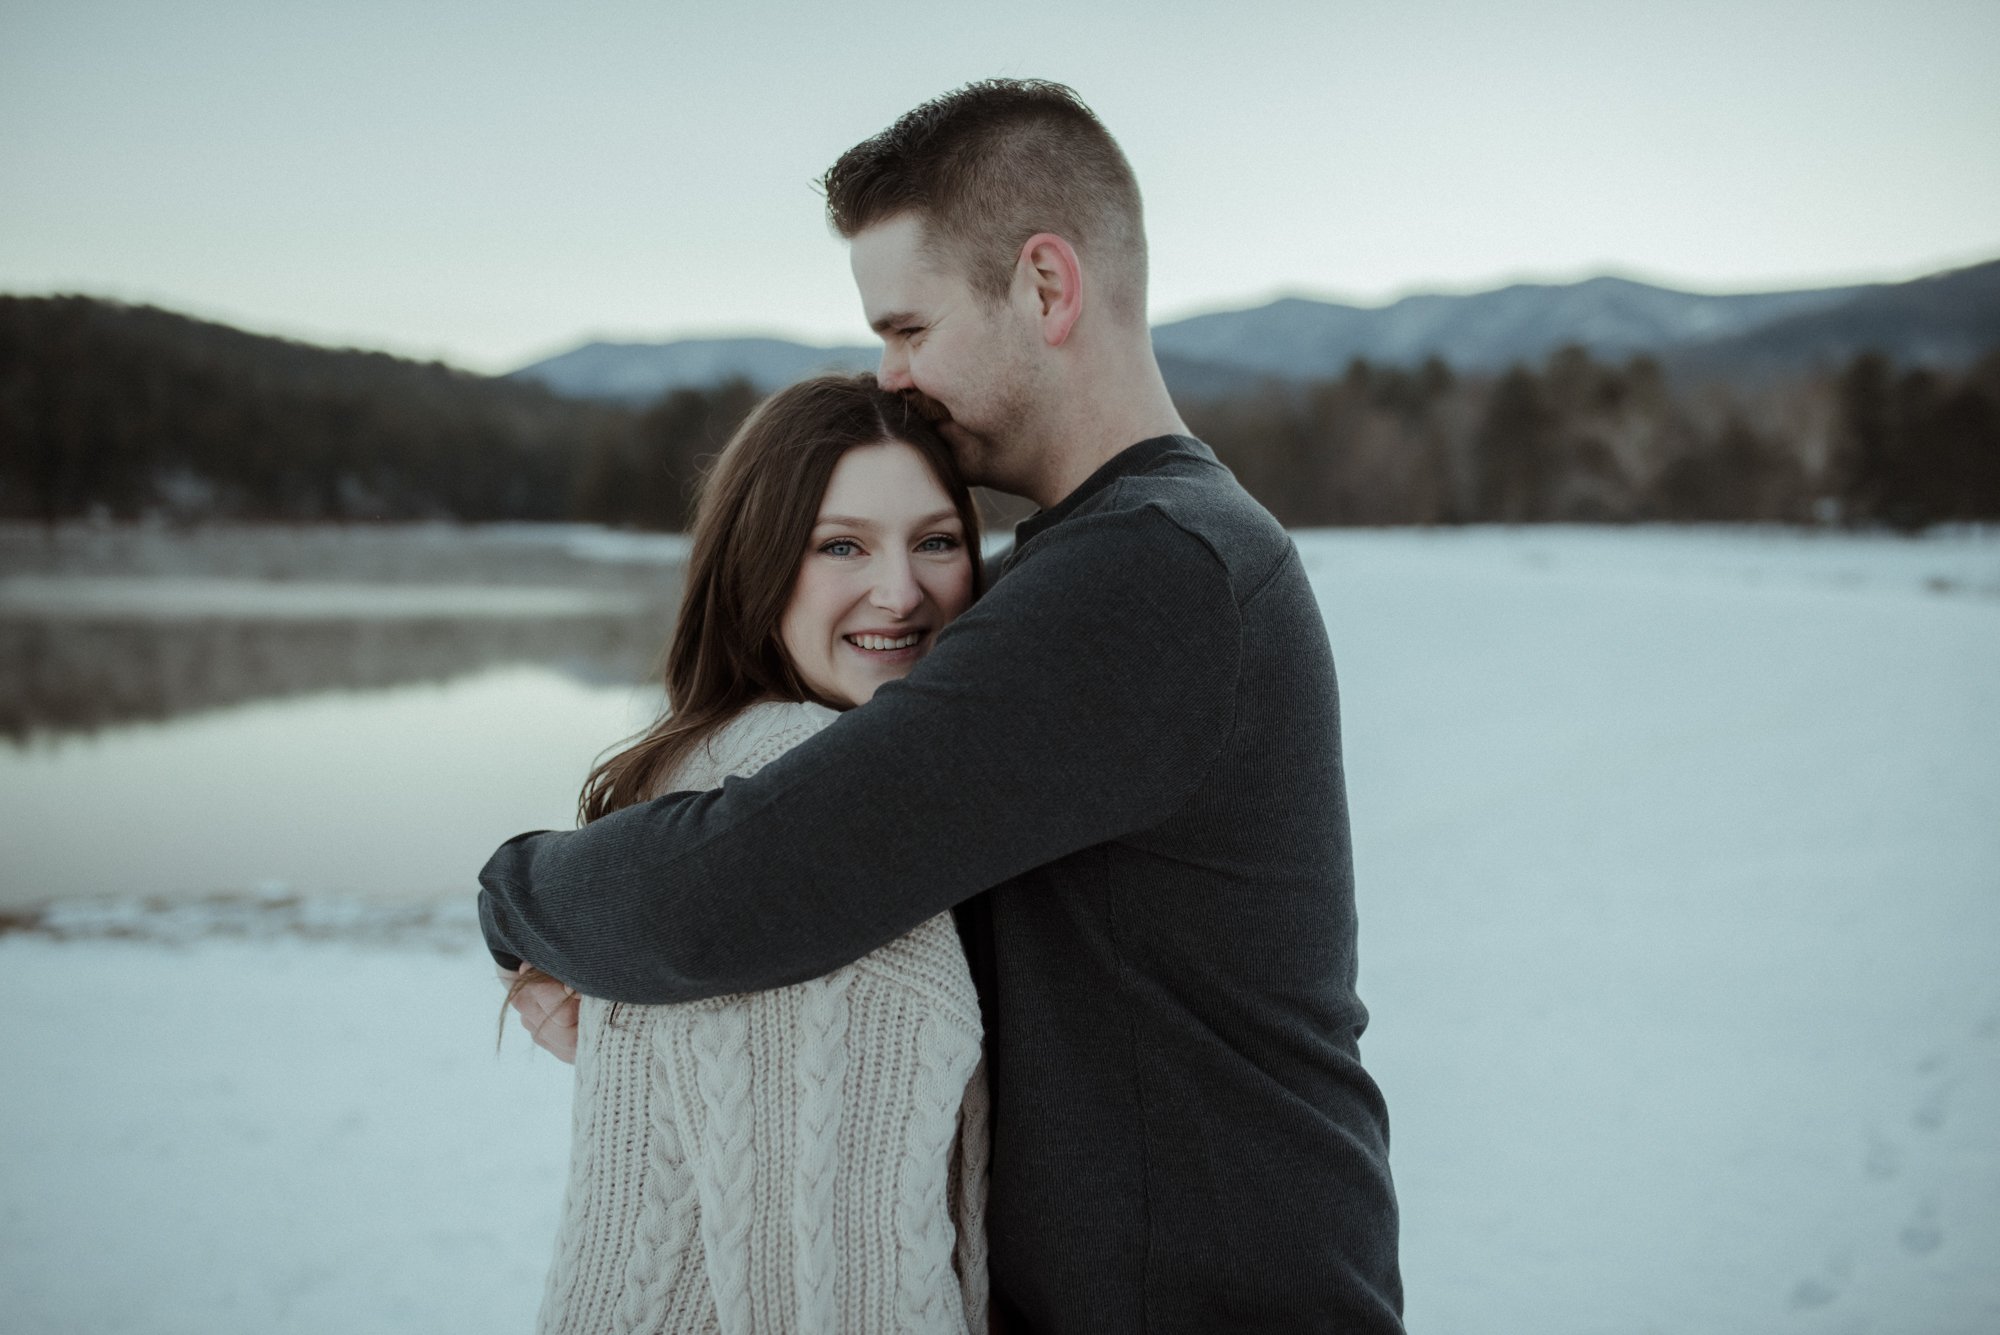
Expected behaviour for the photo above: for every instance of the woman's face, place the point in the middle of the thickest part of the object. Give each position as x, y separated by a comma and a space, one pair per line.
886, 569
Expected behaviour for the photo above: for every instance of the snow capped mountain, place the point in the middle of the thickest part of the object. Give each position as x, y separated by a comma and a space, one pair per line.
638, 373
1613, 317
1946, 319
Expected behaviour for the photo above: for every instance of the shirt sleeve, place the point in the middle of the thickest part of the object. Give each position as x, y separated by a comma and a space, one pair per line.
1082, 699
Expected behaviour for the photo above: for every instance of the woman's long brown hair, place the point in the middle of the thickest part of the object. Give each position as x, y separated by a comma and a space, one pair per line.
756, 514
752, 525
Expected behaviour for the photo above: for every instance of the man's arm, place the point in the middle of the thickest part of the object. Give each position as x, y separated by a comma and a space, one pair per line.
1082, 699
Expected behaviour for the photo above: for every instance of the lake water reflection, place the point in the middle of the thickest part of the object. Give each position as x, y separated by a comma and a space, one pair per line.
388, 793
268, 712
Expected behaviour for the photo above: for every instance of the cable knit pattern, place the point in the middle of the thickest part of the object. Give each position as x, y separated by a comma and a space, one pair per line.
926, 1298
664, 1235
822, 1068
810, 1159
970, 1167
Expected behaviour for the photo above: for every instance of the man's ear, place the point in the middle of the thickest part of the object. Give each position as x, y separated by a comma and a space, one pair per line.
1050, 272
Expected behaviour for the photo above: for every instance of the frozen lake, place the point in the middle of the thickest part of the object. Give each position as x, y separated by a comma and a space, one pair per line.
309, 711
393, 793
1679, 865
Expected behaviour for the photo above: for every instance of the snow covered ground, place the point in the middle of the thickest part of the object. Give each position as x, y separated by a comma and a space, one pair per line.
1679, 859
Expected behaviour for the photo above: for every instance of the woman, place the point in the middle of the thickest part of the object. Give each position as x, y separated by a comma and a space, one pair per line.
812, 1158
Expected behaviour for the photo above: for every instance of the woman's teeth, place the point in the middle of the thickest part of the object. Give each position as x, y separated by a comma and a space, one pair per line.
884, 642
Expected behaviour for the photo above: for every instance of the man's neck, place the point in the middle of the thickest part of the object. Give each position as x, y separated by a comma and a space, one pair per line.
1096, 427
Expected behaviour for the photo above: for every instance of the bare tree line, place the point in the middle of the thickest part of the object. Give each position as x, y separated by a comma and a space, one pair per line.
1581, 441
129, 412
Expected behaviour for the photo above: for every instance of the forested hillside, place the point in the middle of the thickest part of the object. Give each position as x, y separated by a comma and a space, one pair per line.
131, 412
1578, 440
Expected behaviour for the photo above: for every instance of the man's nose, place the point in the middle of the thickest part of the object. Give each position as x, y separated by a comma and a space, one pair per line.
894, 372
896, 589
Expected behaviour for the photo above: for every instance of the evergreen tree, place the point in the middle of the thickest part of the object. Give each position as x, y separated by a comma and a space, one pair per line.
1511, 450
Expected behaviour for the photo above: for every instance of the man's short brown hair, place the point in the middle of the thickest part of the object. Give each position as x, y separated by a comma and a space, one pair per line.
989, 165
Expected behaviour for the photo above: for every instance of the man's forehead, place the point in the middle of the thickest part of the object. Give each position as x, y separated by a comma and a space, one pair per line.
893, 267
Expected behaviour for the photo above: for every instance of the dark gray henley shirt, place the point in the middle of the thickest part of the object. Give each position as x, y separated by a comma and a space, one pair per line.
1122, 767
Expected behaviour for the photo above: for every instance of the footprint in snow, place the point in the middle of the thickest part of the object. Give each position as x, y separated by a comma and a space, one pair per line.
1923, 1234
1811, 1293
1816, 1291
1930, 1114
1884, 1159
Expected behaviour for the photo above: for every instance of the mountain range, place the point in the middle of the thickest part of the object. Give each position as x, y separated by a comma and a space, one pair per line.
1946, 319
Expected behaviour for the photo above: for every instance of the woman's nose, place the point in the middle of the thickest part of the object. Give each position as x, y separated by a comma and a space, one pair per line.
896, 589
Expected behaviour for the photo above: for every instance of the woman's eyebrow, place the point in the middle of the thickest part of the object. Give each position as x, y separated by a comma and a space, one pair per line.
855, 521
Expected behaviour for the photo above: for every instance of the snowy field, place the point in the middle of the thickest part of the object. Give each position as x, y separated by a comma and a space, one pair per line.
1679, 860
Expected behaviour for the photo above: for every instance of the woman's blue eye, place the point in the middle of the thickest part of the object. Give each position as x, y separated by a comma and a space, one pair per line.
938, 542
841, 547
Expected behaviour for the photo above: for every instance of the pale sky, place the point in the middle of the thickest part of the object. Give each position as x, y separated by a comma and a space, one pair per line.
491, 181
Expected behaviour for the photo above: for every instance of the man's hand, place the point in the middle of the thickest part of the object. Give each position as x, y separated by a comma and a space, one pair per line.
548, 1009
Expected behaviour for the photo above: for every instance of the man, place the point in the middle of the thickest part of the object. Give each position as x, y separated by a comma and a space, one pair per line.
1131, 743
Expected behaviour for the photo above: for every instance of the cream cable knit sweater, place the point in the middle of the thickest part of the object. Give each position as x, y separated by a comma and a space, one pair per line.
810, 1159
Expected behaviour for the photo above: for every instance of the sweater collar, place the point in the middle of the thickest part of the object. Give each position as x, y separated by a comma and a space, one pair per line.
1128, 462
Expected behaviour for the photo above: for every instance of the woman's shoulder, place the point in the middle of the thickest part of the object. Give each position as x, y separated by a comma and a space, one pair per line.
769, 719
755, 737
770, 714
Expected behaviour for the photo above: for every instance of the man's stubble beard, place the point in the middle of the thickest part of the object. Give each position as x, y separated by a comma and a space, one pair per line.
927, 407
981, 455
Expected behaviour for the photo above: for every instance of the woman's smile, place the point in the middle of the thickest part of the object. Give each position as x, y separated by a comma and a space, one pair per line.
888, 645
